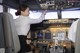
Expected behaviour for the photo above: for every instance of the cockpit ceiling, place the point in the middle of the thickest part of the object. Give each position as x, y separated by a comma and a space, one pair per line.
44, 4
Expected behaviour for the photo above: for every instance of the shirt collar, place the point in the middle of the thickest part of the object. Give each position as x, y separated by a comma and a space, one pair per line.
23, 16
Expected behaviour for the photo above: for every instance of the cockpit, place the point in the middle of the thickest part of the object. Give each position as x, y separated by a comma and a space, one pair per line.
48, 36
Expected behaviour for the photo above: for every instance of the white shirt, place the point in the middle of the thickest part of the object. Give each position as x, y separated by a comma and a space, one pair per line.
72, 31
23, 23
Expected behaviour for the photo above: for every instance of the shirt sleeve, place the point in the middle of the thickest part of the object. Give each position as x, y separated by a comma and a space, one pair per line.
40, 19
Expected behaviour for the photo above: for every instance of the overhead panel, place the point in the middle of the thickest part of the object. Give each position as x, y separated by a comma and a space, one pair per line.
59, 4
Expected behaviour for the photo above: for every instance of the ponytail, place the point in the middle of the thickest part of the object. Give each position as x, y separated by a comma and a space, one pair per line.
18, 13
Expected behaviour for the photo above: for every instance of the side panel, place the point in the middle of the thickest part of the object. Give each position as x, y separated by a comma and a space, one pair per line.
2, 43
1, 1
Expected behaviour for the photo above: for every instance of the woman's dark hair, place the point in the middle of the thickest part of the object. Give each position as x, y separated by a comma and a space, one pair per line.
22, 7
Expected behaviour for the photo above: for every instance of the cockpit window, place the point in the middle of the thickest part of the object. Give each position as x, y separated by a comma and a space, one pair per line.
71, 14
49, 14
36, 14
1, 8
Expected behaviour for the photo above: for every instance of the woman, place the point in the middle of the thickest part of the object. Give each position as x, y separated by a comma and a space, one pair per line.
23, 23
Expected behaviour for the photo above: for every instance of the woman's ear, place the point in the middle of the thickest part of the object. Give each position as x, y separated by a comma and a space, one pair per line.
22, 12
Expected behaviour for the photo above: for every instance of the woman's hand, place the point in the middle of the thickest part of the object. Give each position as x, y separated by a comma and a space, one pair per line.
44, 13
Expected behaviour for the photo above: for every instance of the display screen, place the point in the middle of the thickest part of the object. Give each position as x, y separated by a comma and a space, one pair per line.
39, 35
61, 36
47, 35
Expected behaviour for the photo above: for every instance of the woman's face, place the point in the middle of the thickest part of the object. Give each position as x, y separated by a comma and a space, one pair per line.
26, 12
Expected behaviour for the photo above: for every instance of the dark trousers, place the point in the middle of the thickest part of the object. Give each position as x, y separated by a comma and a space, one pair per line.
24, 46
